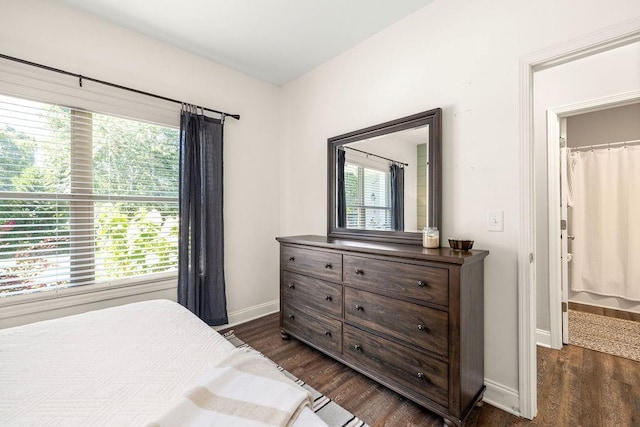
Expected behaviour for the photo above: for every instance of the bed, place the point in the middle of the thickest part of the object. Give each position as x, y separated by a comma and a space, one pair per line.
120, 366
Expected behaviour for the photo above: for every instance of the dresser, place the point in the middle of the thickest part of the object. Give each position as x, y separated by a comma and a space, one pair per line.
409, 318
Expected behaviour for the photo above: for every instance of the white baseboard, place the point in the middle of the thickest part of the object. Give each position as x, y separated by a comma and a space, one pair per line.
250, 313
543, 338
502, 397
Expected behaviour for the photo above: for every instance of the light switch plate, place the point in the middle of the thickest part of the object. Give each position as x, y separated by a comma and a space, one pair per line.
495, 221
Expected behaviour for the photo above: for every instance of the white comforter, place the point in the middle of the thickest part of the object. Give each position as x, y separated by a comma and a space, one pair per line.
115, 367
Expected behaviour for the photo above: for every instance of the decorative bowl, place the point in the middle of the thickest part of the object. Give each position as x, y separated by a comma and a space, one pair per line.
460, 245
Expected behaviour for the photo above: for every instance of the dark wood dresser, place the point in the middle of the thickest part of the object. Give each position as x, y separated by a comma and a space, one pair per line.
408, 317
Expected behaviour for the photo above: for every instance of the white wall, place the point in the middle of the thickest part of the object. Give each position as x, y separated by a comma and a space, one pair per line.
462, 56
50, 33
597, 76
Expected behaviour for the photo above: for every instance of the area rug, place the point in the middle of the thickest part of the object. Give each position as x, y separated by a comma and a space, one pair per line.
328, 410
605, 334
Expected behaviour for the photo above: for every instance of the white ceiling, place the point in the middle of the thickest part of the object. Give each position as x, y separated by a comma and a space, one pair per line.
273, 40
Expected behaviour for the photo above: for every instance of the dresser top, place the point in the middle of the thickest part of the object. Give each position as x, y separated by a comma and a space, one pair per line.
382, 248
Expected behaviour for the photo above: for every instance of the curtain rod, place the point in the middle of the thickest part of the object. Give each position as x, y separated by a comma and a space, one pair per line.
375, 155
606, 145
80, 78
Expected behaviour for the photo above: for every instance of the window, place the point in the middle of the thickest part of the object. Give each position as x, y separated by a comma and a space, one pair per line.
85, 198
368, 195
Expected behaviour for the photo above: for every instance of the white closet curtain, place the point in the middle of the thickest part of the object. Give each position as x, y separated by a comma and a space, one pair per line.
605, 195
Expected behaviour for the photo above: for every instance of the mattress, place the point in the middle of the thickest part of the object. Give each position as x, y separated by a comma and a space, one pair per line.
114, 367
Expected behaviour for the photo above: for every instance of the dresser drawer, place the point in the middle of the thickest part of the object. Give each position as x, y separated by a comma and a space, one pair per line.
398, 364
325, 265
320, 330
421, 326
316, 294
422, 283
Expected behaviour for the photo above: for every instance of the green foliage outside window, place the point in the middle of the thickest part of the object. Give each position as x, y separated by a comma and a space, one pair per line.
131, 238
135, 245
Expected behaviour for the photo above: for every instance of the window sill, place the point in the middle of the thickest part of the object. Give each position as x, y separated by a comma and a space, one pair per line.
36, 303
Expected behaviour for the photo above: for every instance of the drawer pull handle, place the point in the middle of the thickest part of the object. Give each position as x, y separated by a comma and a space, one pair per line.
421, 375
359, 307
291, 316
357, 348
292, 285
360, 272
328, 298
421, 283
423, 328
328, 265
292, 258
327, 333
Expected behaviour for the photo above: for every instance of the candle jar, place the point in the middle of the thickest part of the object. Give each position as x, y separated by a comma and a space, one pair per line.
431, 237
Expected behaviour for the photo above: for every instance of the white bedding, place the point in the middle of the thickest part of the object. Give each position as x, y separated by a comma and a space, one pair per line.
115, 367
221, 396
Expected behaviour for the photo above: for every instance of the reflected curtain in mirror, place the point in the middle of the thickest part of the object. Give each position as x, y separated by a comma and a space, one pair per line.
397, 197
342, 198
201, 280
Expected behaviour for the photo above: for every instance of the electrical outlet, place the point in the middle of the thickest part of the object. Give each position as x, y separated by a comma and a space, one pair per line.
495, 221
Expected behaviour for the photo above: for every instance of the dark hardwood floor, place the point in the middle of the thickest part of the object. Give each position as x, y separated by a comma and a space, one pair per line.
576, 386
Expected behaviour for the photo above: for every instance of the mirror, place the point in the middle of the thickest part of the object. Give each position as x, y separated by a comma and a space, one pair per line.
384, 181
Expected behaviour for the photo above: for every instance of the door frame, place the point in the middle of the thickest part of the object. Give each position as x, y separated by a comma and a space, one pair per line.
606, 39
554, 115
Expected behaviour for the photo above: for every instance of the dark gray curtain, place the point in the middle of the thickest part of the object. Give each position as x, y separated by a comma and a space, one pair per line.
397, 197
342, 198
201, 284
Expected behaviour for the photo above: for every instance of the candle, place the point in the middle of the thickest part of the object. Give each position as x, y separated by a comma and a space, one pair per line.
430, 238
433, 242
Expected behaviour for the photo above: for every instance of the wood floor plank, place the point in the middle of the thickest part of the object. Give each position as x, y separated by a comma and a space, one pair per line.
576, 386
591, 405
626, 371
604, 311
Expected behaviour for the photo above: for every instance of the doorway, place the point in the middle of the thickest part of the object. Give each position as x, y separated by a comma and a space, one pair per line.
598, 309
595, 125
528, 256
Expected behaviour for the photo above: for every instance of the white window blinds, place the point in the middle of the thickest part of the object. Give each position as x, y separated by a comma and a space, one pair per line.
368, 192
85, 198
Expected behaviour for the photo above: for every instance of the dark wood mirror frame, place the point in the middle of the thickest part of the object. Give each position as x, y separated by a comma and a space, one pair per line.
433, 118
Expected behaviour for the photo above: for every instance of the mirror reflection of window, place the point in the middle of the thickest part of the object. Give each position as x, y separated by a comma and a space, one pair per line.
368, 208
368, 192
